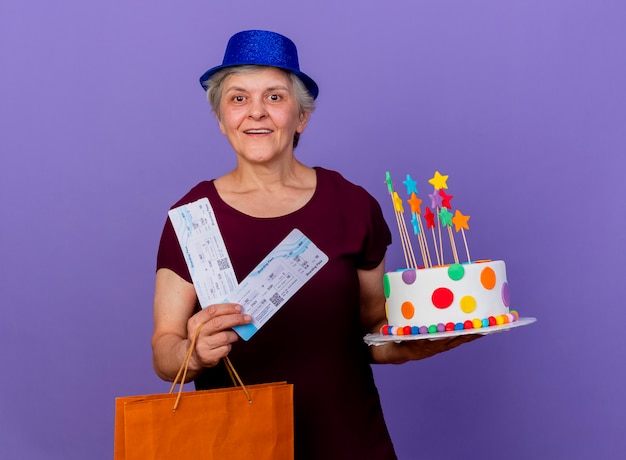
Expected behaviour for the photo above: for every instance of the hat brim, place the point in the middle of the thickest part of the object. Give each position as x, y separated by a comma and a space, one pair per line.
309, 83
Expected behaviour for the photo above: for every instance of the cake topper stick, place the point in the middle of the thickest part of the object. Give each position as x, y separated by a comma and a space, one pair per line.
404, 233
424, 242
446, 220
391, 194
418, 229
409, 257
440, 239
441, 217
414, 202
411, 185
460, 223
454, 251
466, 246
438, 181
430, 223
441, 202
435, 203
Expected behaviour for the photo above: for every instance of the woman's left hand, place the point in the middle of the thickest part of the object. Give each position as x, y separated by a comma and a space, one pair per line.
410, 350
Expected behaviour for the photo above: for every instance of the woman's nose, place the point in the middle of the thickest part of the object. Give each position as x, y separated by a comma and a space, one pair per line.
257, 109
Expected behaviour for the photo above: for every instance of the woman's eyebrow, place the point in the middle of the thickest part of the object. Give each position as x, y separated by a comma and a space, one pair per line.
271, 88
278, 87
235, 88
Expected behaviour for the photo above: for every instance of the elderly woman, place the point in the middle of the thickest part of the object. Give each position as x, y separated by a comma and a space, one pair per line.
263, 103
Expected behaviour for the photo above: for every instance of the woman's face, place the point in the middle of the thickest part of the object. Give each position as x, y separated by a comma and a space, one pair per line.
259, 114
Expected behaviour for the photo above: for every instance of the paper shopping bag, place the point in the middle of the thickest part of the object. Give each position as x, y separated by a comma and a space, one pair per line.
242, 422
211, 424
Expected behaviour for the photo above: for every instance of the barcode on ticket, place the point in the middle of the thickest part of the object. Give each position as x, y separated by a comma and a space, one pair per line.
276, 299
223, 264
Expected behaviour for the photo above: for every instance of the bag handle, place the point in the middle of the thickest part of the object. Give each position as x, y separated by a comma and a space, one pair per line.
182, 372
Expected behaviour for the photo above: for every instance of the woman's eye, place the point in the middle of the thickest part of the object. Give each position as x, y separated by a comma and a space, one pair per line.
274, 97
238, 98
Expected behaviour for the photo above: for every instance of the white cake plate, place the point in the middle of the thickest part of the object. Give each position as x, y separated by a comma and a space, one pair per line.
379, 339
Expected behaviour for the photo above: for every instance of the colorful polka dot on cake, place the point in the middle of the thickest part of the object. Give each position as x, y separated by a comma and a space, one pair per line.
505, 294
386, 285
488, 278
442, 297
409, 276
408, 310
468, 304
456, 272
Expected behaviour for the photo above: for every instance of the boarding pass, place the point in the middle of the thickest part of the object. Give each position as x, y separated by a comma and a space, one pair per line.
266, 288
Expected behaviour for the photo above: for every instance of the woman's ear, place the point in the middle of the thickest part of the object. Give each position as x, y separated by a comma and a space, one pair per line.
219, 122
304, 120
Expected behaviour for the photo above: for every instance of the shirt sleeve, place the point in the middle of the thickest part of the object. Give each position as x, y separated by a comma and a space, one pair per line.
170, 255
377, 236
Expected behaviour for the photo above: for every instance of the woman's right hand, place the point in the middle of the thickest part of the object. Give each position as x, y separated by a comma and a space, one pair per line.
216, 335
176, 322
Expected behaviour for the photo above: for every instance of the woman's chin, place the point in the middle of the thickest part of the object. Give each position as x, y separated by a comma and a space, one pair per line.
263, 157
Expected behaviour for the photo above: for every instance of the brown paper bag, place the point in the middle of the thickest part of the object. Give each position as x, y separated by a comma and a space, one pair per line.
243, 422
211, 424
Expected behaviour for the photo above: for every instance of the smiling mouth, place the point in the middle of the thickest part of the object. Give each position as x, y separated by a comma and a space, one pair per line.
258, 131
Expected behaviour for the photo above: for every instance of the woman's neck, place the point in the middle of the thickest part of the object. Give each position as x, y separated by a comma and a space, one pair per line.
265, 191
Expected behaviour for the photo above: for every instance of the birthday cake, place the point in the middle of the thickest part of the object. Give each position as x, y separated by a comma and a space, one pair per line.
435, 296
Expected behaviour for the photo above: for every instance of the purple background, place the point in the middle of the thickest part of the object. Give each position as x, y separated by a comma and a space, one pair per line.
522, 103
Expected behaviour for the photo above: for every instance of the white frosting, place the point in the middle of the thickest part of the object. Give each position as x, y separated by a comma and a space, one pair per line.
440, 295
